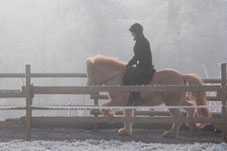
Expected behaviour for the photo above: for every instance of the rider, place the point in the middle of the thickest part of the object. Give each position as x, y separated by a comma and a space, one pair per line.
143, 71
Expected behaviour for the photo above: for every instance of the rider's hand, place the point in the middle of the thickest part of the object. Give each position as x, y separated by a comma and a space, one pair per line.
127, 66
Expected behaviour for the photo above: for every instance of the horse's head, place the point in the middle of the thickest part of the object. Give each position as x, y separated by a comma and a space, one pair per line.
104, 70
95, 72
90, 72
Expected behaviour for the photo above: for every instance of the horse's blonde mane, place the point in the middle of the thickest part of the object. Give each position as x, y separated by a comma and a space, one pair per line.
109, 61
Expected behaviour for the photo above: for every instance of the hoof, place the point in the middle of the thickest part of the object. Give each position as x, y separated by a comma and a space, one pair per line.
107, 113
200, 125
123, 132
191, 126
169, 134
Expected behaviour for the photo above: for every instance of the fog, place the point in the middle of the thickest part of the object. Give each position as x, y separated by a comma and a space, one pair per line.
58, 35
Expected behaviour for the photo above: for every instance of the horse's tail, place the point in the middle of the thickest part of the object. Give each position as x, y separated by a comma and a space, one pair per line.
199, 97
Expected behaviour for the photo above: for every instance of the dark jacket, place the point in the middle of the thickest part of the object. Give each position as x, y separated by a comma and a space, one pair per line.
142, 54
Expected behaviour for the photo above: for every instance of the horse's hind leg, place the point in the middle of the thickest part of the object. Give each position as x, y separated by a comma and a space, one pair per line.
173, 132
190, 113
127, 130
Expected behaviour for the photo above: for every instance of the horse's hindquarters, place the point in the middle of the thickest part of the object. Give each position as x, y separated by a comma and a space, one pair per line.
167, 77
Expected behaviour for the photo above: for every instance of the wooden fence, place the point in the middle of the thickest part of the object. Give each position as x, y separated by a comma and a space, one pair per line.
29, 91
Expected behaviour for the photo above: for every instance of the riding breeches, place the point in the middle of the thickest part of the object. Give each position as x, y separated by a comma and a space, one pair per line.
137, 76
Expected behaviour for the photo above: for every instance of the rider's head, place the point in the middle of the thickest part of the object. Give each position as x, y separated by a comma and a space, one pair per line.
136, 29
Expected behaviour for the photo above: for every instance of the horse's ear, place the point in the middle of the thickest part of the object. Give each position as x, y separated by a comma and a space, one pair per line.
88, 60
89, 65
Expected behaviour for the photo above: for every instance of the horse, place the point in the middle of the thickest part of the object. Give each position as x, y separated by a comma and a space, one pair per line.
103, 70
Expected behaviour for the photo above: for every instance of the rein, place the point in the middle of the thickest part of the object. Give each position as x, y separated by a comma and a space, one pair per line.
111, 78
108, 79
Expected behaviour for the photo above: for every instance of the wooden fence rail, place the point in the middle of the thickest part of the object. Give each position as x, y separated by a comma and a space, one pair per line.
44, 75
97, 89
29, 91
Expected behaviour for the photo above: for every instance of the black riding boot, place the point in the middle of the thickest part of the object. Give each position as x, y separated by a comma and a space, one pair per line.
135, 99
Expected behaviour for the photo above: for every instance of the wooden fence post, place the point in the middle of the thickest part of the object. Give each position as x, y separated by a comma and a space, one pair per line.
224, 99
96, 103
28, 102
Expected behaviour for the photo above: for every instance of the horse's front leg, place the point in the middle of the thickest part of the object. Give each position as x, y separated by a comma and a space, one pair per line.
116, 99
120, 99
127, 130
108, 113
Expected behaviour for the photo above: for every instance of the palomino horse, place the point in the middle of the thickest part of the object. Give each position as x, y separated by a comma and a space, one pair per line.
103, 70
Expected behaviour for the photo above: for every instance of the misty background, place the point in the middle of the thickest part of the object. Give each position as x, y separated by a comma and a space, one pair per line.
58, 35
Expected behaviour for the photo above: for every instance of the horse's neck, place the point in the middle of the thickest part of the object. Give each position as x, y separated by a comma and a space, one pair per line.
117, 80
112, 77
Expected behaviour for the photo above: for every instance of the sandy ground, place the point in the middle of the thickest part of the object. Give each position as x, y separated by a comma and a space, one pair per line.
143, 135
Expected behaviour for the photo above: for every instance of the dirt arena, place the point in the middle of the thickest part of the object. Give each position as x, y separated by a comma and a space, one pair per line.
143, 135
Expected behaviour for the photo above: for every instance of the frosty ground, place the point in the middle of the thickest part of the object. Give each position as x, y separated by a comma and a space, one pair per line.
111, 145
142, 139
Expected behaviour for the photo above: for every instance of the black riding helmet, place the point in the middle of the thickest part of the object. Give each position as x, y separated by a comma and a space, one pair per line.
136, 28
